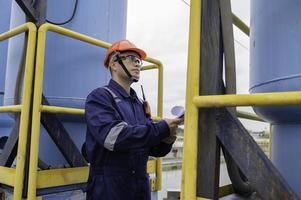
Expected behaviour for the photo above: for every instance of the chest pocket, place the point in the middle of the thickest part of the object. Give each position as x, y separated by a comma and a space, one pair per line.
125, 107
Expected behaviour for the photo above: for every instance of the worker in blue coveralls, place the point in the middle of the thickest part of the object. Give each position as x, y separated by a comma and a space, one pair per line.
120, 134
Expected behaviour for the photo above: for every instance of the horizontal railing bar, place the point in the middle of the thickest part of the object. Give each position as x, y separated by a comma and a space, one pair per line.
247, 115
148, 67
7, 176
62, 110
13, 109
18, 30
258, 99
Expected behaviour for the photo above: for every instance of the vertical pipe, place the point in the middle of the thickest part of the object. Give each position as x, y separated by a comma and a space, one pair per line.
160, 114
191, 116
25, 110
36, 115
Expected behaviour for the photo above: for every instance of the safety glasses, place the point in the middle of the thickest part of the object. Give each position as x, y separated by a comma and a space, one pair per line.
131, 58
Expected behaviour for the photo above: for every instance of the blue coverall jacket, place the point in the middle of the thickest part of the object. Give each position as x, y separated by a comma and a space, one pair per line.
119, 140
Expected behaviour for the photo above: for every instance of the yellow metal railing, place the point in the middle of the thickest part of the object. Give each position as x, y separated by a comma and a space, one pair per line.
194, 101
15, 177
247, 115
188, 187
259, 99
240, 24
66, 176
40, 179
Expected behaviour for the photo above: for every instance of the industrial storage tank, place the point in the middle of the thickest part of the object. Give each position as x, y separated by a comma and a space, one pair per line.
275, 66
72, 68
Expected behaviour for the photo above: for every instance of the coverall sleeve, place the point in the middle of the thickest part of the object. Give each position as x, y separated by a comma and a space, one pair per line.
160, 150
110, 131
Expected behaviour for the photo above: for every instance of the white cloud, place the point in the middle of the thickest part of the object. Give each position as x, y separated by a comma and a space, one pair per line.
161, 29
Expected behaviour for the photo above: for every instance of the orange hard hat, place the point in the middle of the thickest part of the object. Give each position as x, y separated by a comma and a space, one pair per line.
120, 46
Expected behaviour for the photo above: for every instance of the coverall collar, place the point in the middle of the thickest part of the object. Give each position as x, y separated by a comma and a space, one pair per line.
121, 90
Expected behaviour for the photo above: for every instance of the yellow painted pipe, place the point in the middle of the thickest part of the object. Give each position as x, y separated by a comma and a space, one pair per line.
72, 111
65, 176
189, 170
156, 118
270, 141
149, 67
160, 84
16, 31
75, 35
160, 114
60, 177
247, 115
25, 111
7, 176
13, 109
50, 27
62, 110
36, 115
258, 99
240, 24
38, 108
151, 166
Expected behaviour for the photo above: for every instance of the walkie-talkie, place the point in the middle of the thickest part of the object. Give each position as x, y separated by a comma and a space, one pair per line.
146, 107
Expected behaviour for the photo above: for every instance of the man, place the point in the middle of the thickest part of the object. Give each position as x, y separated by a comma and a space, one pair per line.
120, 136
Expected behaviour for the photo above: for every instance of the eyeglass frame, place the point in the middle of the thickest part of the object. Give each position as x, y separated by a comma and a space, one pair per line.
133, 59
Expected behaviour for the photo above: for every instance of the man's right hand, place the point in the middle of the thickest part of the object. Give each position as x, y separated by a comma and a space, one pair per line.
173, 125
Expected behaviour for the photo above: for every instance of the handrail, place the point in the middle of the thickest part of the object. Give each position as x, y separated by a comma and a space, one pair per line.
84, 38
189, 175
62, 110
67, 176
25, 107
38, 108
13, 109
240, 25
247, 115
257, 99
72, 111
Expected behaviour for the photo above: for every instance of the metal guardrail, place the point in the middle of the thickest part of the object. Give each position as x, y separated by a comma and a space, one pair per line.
15, 177
194, 101
39, 179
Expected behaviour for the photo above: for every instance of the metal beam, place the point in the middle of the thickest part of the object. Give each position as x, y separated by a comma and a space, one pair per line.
61, 138
228, 46
28, 9
41, 10
254, 164
34, 10
211, 69
10, 148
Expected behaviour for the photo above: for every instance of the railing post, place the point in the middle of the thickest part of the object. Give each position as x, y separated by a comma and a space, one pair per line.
189, 175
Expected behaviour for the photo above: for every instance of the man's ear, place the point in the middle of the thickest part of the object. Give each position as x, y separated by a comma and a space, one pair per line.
113, 66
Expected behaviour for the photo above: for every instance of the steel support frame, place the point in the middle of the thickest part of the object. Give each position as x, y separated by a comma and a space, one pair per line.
35, 10
194, 101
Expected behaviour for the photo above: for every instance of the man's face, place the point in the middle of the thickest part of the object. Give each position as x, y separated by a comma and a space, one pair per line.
131, 61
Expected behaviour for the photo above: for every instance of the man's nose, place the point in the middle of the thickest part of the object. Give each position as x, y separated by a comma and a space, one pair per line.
137, 65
